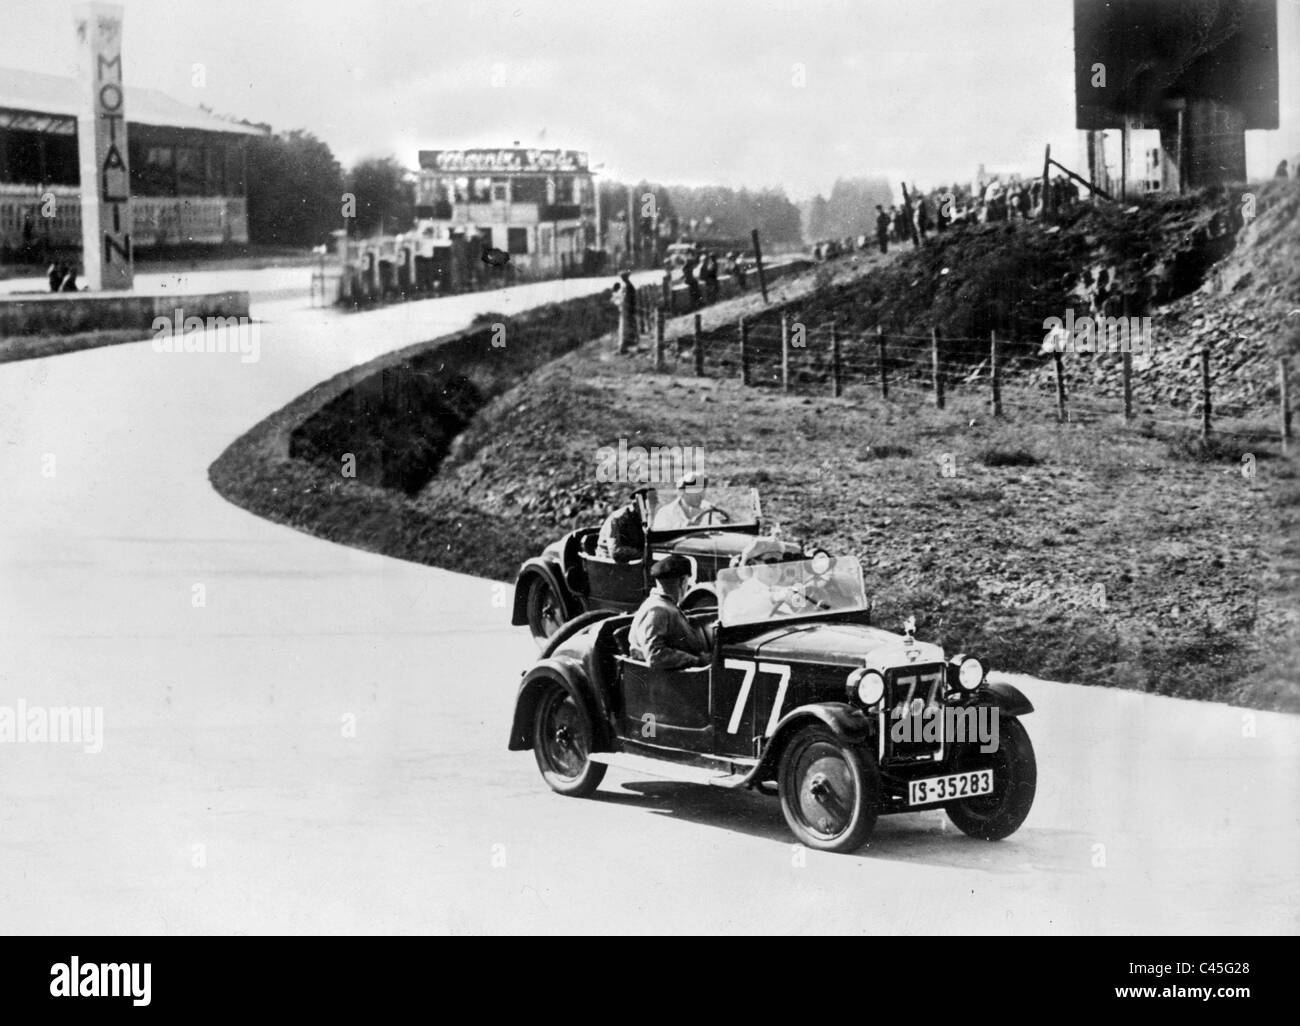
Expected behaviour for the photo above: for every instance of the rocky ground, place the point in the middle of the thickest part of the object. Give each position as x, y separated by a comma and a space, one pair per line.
1246, 313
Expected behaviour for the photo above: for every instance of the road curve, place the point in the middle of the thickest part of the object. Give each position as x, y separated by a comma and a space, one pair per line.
319, 745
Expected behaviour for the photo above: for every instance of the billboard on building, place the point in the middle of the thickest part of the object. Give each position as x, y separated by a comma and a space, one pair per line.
503, 162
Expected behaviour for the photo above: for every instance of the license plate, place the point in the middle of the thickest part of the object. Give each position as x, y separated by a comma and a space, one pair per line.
950, 788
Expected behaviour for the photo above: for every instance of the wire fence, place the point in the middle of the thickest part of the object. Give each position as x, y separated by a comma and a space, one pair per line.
1002, 374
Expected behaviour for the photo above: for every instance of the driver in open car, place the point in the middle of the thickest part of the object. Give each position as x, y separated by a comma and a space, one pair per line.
661, 636
690, 508
622, 536
753, 598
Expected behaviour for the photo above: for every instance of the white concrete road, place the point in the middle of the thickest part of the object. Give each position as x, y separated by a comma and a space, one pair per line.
228, 798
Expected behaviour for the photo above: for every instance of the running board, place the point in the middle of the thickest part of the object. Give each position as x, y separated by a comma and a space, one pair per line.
643, 766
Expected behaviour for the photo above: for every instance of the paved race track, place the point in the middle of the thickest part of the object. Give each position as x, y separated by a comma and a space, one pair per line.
227, 798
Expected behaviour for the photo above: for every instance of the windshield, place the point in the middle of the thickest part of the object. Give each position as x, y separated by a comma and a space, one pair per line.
782, 591
706, 508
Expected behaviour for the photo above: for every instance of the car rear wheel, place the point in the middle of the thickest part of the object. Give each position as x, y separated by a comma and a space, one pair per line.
545, 609
829, 790
562, 738
1015, 778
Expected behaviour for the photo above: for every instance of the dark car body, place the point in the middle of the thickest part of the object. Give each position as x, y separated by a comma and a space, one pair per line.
568, 578
773, 684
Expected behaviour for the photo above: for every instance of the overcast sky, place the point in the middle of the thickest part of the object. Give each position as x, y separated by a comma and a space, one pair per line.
704, 91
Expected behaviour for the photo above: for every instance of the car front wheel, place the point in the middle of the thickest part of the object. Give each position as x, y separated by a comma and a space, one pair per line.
829, 790
1015, 778
562, 738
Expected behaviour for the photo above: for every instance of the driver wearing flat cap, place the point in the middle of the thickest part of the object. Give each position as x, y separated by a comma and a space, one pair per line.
661, 636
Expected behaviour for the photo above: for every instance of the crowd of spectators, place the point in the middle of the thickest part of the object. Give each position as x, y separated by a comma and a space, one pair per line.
700, 268
921, 213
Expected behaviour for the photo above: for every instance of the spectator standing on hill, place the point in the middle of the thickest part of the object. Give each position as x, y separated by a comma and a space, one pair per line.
1282, 170
922, 215
1013, 201
882, 229
737, 269
692, 284
624, 298
709, 273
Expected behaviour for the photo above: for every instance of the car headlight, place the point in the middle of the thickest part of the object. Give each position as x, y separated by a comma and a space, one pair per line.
867, 686
970, 672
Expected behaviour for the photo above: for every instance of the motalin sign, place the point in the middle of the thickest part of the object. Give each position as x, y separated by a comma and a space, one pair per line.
101, 140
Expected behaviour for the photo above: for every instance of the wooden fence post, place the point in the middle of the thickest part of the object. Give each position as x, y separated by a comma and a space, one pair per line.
995, 373
1126, 369
659, 339
884, 372
744, 352
837, 381
1205, 394
699, 348
785, 353
935, 368
1059, 367
1284, 398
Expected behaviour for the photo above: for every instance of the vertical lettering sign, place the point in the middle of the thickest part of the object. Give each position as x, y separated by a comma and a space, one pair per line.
101, 132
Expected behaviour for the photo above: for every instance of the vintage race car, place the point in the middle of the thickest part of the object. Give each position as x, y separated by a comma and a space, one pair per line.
802, 698
569, 578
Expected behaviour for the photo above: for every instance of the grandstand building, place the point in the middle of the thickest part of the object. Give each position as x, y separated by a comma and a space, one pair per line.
187, 168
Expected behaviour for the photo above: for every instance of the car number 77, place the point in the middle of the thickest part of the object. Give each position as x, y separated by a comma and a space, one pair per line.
750, 669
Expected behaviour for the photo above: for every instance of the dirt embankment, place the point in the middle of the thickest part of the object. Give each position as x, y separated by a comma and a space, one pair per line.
1219, 268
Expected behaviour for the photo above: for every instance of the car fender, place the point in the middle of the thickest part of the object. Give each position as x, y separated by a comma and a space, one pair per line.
848, 723
546, 567
570, 676
1008, 698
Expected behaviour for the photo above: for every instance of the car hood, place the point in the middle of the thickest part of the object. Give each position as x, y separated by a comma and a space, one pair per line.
842, 644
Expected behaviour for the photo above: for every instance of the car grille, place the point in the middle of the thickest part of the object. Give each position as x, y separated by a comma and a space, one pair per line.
908, 690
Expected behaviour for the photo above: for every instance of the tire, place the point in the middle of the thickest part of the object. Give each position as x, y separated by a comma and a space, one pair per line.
1015, 779
830, 790
545, 609
562, 738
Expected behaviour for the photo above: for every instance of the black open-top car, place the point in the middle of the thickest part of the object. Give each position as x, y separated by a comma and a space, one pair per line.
569, 578
801, 695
